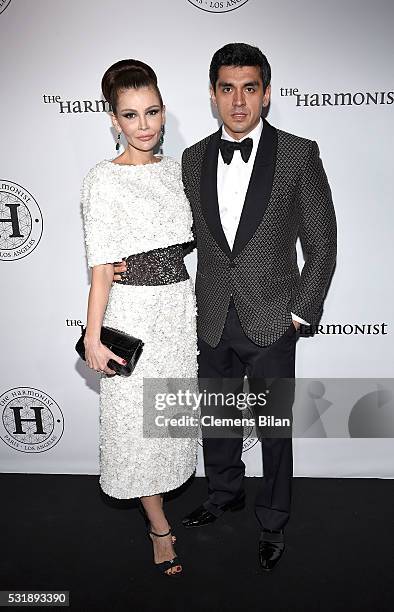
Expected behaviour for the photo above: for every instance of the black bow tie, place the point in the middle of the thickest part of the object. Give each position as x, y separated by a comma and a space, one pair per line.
227, 148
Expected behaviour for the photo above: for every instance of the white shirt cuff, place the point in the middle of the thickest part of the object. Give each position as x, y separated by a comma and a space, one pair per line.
299, 319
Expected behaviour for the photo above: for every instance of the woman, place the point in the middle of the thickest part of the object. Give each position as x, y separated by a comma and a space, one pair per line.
134, 207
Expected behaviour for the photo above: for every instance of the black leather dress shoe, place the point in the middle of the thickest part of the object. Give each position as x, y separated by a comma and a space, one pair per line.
271, 547
201, 516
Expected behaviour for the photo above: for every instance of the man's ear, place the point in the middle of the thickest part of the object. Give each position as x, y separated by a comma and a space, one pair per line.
212, 94
267, 95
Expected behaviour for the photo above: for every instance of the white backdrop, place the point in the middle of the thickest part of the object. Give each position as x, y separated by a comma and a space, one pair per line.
53, 55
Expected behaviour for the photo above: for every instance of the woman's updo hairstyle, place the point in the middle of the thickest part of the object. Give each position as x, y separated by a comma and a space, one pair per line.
127, 74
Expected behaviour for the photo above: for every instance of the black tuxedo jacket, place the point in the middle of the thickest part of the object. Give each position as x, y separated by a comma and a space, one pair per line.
288, 197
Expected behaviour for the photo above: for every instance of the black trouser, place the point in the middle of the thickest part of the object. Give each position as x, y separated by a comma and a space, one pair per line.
234, 357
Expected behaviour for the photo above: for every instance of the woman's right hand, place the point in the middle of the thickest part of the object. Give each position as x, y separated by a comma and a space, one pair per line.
97, 356
119, 268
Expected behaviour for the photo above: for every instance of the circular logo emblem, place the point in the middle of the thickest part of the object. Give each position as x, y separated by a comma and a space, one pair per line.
249, 440
21, 221
4, 4
31, 421
218, 6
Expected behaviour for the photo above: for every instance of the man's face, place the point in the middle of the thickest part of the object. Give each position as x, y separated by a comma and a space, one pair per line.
239, 98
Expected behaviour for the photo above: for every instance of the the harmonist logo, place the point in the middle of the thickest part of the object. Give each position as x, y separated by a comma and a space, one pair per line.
337, 98
21, 223
3, 5
30, 420
218, 6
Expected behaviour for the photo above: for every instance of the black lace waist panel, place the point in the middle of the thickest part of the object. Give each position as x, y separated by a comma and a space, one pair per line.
157, 267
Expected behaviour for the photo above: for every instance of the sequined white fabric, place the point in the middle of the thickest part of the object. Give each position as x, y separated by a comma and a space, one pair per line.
126, 210
131, 209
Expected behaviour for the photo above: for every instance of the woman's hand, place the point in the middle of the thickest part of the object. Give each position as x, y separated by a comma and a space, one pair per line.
119, 267
97, 356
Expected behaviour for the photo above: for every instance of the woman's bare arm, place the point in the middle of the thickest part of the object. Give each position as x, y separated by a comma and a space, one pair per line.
97, 355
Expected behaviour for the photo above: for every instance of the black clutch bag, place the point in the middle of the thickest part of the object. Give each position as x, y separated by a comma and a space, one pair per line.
125, 346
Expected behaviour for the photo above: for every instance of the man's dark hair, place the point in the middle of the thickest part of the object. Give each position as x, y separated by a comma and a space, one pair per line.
239, 54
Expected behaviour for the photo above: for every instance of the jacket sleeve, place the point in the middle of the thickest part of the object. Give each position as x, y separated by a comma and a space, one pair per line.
318, 235
188, 247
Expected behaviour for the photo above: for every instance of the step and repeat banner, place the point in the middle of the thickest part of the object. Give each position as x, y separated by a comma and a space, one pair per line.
332, 81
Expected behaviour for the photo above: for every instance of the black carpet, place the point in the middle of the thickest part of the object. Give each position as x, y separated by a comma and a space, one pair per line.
61, 532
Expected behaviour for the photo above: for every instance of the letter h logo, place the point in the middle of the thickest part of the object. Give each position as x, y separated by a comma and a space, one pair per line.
14, 220
37, 419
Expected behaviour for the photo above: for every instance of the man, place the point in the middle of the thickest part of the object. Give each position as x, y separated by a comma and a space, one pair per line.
253, 190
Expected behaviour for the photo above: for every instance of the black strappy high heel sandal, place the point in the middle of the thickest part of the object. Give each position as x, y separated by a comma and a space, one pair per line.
147, 523
166, 565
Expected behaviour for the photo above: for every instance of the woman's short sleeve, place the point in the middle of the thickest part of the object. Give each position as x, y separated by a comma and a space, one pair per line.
98, 217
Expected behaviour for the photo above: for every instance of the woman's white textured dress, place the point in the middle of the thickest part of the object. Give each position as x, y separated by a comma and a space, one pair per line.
128, 210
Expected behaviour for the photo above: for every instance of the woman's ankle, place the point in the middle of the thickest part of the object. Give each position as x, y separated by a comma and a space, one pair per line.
160, 527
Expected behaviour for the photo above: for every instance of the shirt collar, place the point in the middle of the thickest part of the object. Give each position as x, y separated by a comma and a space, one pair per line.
255, 134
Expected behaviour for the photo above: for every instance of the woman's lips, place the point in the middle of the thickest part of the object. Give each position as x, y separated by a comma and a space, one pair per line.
145, 138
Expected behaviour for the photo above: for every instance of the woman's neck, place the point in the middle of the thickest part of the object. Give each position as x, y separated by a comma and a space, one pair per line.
133, 157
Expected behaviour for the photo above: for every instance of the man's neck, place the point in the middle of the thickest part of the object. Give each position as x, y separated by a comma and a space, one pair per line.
240, 136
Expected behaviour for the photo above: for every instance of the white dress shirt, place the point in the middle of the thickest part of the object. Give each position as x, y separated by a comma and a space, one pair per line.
232, 182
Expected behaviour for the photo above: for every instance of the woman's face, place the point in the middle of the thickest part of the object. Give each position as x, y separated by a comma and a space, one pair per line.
140, 117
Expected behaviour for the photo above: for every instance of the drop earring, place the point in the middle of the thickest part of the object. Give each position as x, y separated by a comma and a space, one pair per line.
161, 140
117, 146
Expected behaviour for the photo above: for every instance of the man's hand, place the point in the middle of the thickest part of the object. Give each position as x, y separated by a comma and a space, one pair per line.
296, 324
119, 267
